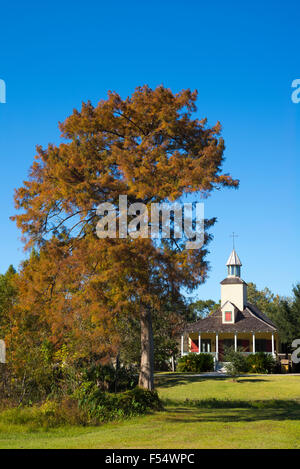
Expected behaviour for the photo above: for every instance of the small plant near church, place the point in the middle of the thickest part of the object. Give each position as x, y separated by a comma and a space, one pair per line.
236, 362
261, 362
196, 363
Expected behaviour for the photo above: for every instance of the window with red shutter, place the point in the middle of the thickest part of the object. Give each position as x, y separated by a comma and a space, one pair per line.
228, 316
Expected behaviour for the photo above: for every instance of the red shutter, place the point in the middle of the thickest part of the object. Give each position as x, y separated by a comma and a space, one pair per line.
228, 316
194, 345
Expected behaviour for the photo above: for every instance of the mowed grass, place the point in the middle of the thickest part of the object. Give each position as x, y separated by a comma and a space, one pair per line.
255, 412
251, 387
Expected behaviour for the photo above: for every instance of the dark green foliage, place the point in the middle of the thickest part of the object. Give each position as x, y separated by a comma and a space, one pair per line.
81, 397
236, 362
49, 380
167, 321
91, 406
103, 406
261, 363
50, 414
285, 312
110, 378
200, 309
8, 297
288, 319
196, 363
34, 383
265, 300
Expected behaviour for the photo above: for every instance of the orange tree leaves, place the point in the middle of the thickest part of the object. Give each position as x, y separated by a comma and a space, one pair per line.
146, 146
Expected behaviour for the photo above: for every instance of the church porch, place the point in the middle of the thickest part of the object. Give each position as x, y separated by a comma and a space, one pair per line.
215, 343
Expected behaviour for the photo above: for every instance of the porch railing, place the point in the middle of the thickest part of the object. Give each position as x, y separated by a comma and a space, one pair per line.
214, 354
209, 353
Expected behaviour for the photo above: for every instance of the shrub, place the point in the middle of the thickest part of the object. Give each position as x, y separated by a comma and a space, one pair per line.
102, 406
261, 362
236, 362
196, 362
50, 414
111, 379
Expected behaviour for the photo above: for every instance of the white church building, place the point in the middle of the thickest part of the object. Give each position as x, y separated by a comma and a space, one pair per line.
235, 323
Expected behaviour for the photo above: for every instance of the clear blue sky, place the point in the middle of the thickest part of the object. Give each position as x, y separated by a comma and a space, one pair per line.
241, 57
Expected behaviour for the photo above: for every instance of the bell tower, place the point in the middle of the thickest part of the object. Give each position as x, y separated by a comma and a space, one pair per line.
233, 288
233, 265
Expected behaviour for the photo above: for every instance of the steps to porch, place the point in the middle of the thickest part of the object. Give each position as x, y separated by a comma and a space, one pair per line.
220, 367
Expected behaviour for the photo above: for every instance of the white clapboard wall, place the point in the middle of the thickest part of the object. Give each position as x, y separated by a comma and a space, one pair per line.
2, 351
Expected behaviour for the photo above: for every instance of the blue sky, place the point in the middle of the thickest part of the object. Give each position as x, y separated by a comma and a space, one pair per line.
241, 57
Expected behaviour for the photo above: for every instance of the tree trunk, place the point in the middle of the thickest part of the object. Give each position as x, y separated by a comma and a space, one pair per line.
173, 363
117, 372
146, 378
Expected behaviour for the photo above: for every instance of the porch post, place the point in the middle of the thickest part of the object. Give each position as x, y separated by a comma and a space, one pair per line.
217, 347
182, 345
253, 343
235, 342
273, 348
199, 343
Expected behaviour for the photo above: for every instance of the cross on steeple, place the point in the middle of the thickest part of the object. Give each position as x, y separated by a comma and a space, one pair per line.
233, 236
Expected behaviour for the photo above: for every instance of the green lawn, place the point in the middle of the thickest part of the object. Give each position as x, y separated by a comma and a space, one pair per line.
256, 412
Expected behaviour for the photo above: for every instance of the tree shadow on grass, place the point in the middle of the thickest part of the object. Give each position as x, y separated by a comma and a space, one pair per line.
218, 410
173, 380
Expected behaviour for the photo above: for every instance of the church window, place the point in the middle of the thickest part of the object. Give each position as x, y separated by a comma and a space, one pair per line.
206, 345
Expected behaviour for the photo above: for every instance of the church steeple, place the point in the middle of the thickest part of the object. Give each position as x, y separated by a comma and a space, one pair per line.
233, 288
234, 265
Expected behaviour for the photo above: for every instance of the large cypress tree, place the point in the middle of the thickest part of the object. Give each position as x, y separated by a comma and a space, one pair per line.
148, 147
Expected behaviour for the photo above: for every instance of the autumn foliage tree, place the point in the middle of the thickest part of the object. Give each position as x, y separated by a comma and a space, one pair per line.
150, 148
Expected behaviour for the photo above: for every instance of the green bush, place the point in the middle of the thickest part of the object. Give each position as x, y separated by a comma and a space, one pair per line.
111, 379
91, 407
236, 362
48, 415
103, 406
196, 363
261, 362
